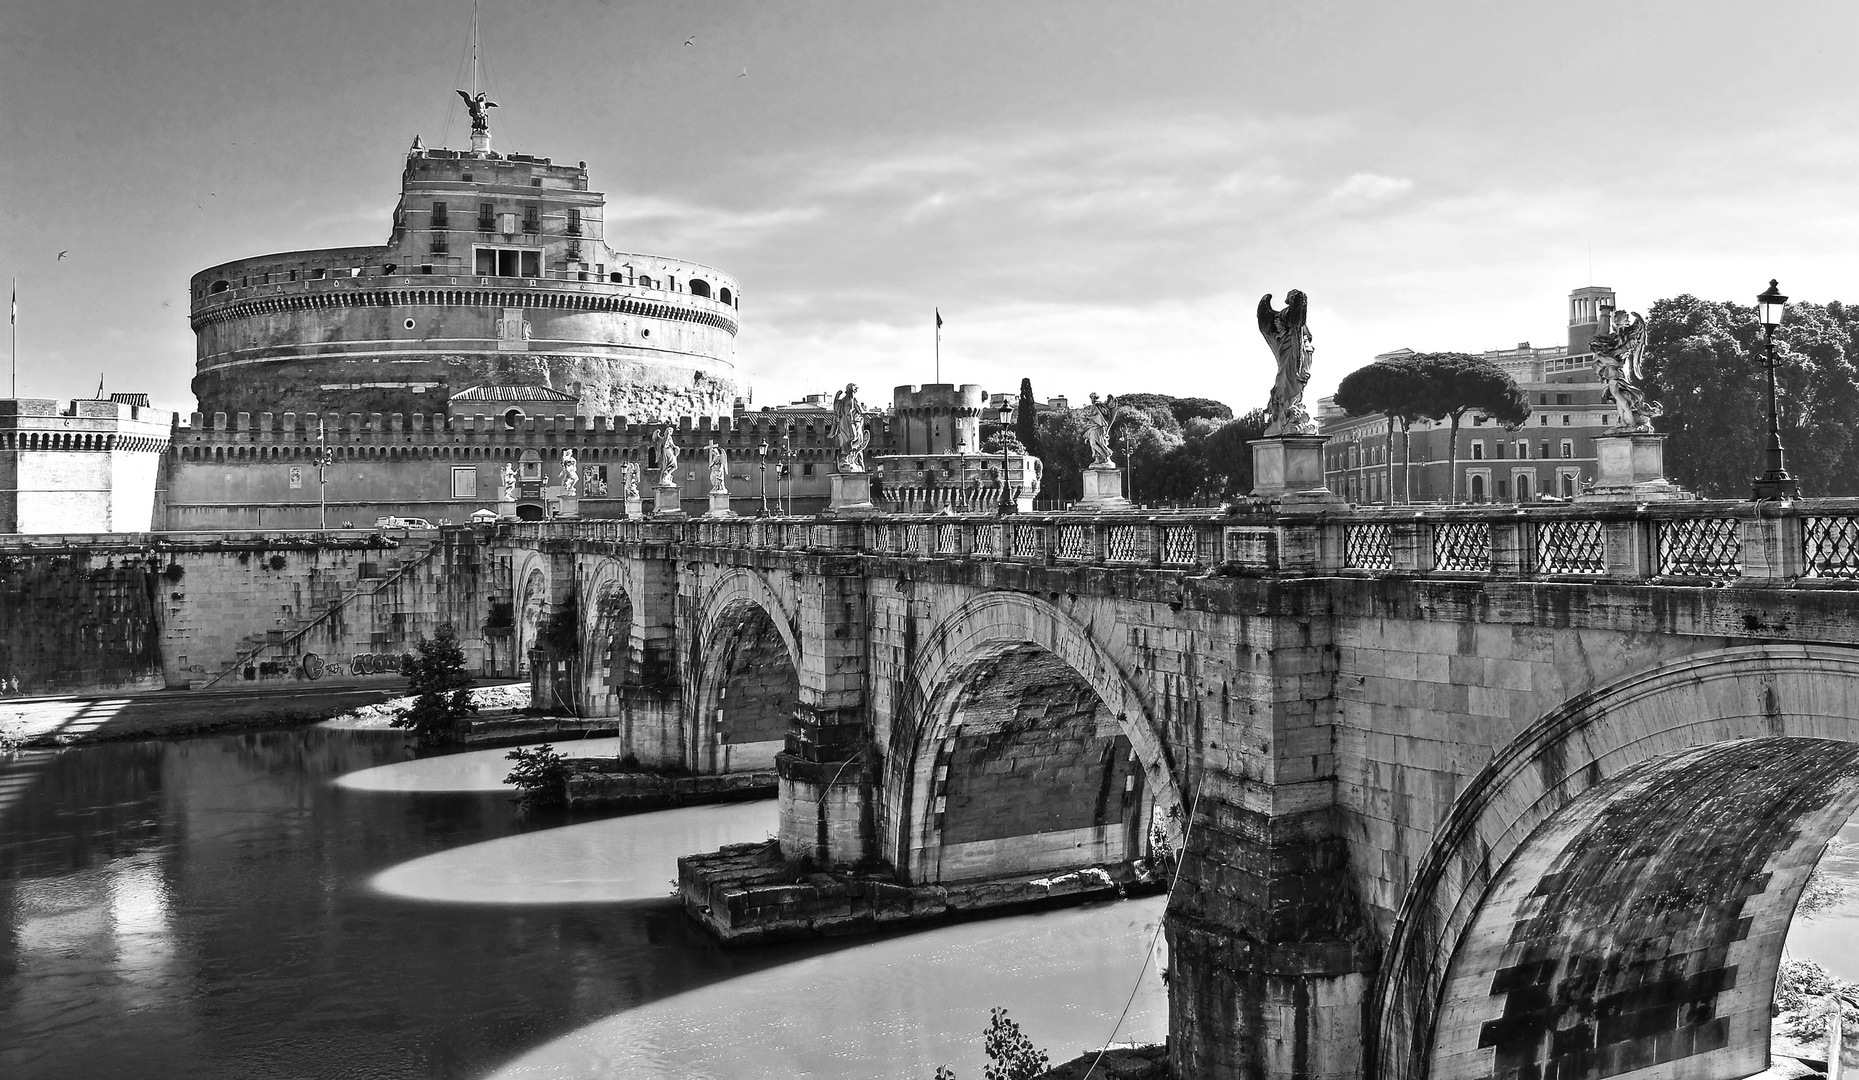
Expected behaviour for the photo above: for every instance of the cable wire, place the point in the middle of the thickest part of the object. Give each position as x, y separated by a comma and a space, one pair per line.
1181, 862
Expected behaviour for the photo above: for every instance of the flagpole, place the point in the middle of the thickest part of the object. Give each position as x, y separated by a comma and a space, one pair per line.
938, 345
13, 348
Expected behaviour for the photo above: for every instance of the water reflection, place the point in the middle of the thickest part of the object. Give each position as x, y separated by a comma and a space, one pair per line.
200, 908
473, 770
895, 1007
627, 858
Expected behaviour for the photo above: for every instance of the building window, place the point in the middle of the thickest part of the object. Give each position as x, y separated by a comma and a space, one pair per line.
537, 182
1499, 446
1478, 450
529, 219
1545, 420
439, 219
1568, 448
574, 221
464, 482
807, 469
440, 246
1542, 450
1562, 399
487, 217
506, 262
1565, 419
1478, 487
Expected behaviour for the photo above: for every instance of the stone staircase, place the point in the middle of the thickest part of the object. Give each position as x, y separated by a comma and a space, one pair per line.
328, 598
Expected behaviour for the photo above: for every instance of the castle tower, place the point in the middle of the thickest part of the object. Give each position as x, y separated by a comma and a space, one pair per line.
497, 270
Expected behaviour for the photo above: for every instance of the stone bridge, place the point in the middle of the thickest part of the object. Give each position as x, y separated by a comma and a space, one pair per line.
1465, 793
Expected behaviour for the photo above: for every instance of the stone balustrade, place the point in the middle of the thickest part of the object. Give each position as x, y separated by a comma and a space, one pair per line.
1715, 542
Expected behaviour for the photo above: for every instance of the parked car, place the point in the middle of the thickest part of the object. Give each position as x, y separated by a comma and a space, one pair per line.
391, 522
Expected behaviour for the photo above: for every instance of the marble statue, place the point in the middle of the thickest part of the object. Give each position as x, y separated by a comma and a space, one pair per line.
719, 469
596, 486
571, 471
509, 483
1288, 334
849, 429
478, 106
1620, 361
667, 458
1097, 417
629, 476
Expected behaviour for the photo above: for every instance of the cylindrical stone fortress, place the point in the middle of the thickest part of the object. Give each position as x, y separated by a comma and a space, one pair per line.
497, 271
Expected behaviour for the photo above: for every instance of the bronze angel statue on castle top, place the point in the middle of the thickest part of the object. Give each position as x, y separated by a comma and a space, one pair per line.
478, 105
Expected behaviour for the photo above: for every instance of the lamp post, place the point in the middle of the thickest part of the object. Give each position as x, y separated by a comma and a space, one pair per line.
1007, 507
761, 454
786, 475
1774, 483
1130, 464
324, 461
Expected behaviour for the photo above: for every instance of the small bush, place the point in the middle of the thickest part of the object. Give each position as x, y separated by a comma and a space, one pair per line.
1011, 1055
173, 572
540, 775
442, 690
276, 562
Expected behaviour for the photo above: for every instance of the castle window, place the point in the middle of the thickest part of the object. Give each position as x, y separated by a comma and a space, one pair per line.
724, 295
487, 217
467, 178
316, 274
439, 220
574, 221
293, 275
425, 268
700, 287
537, 182
439, 245
618, 278
646, 282
530, 223
512, 418
221, 286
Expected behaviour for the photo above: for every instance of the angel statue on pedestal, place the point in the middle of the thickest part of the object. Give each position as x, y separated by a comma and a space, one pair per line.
1620, 361
849, 429
1288, 334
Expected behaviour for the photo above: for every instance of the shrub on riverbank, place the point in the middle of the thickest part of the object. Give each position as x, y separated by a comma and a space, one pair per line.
1011, 1055
441, 689
540, 776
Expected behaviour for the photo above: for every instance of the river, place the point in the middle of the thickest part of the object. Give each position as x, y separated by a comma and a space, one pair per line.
317, 903
312, 903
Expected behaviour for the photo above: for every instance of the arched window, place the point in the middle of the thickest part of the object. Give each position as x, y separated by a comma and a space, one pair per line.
1523, 487
221, 285
700, 287
646, 282
1478, 488
512, 418
617, 278
723, 296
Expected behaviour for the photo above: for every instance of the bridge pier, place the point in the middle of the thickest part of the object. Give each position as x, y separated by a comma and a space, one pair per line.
828, 768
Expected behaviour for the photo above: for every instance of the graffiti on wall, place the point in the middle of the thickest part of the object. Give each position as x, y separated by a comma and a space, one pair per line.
313, 666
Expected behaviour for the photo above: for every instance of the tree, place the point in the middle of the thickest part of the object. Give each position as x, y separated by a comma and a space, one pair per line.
1705, 364
441, 689
1395, 388
1026, 419
1453, 384
1011, 1055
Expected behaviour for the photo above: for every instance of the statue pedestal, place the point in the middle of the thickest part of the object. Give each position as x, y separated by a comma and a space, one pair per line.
719, 505
1629, 466
1289, 469
1103, 489
635, 506
570, 507
851, 495
507, 509
667, 501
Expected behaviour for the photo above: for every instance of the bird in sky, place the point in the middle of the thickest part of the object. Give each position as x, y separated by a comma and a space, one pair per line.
692, 40
63, 253
744, 75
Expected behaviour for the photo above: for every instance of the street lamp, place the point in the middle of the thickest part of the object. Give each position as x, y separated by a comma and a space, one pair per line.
761, 454
1130, 464
1775, 483
1006, 419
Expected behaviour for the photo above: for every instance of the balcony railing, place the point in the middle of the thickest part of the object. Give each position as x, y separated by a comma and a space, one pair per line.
1693, 543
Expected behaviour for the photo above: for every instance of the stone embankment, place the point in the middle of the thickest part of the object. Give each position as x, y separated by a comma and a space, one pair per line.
607, 784
746, 894
1115, 1063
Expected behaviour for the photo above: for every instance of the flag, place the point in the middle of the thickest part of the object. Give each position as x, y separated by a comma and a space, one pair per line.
13, 316
99, 386
939, 318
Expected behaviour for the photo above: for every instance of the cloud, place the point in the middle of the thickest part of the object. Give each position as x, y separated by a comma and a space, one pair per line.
1371, 187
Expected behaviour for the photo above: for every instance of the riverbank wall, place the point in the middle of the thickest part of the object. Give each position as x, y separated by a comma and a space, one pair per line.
746, 894
138, 612
611, 784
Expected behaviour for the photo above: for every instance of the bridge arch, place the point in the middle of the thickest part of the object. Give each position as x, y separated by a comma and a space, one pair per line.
1611, 893
608, 659
746, 659
986, 637
531, 604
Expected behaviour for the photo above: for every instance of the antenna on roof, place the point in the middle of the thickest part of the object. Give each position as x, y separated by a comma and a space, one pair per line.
474, 48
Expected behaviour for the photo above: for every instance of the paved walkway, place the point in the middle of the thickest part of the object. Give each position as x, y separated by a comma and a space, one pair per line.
68, 720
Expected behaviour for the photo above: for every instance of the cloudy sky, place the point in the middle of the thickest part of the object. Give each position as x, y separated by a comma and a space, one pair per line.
1095, 194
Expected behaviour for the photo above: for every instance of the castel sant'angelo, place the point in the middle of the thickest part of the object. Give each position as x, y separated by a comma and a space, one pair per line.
497, 271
